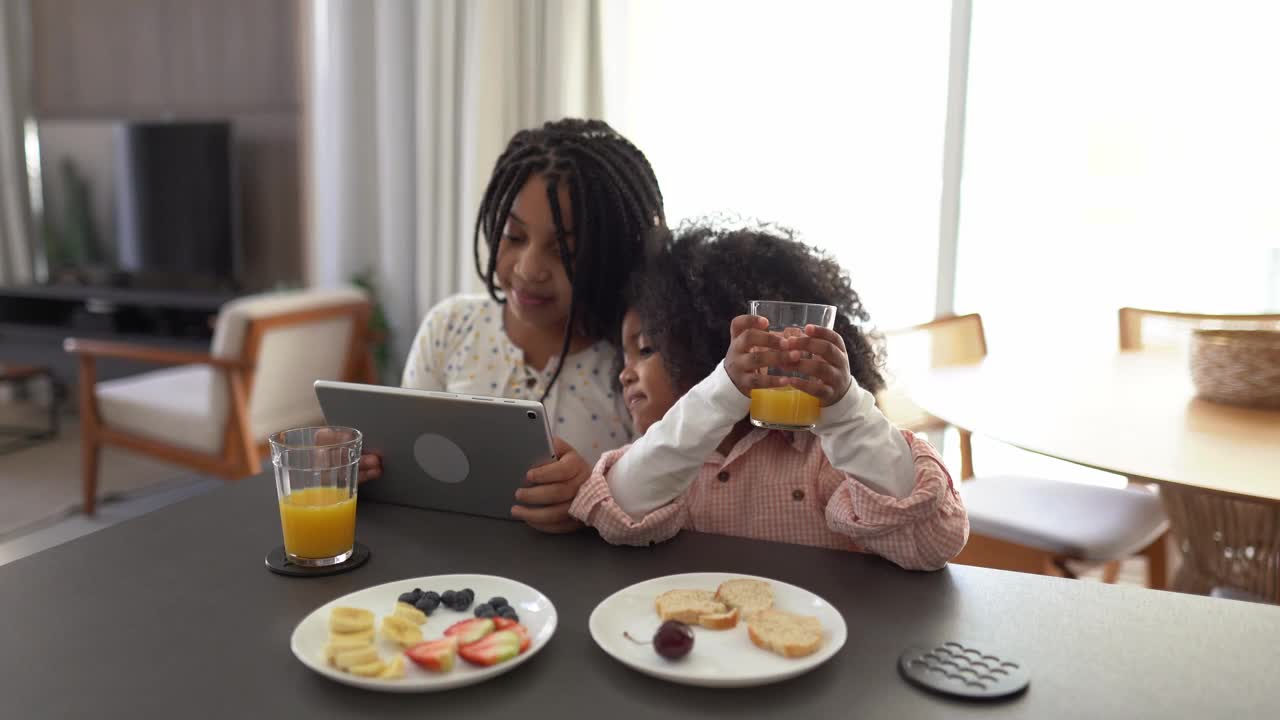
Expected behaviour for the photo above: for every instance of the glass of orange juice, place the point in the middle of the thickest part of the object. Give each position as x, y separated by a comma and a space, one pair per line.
787, 408
316, 473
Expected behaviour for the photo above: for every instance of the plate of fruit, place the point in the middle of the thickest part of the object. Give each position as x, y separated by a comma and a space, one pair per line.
718, 629
425, 634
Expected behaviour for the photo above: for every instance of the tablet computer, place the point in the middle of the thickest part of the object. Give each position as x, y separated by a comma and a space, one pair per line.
440, 450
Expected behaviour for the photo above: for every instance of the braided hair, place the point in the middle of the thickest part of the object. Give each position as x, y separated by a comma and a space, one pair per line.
689, 292
615, 201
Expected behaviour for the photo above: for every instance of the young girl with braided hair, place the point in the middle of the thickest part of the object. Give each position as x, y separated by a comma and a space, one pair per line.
564, 220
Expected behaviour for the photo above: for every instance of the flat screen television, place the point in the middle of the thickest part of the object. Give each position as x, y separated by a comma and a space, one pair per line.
176, 203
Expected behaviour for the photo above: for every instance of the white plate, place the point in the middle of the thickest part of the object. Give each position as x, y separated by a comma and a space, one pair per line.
535, 610
720, 658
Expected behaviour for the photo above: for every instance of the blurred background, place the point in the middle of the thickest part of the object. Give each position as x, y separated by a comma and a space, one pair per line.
1098, 154
1041, 163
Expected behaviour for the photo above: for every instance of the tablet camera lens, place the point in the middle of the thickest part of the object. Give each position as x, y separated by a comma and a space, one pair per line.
532, 415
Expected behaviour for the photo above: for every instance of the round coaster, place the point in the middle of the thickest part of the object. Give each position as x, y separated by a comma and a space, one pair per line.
278, 562
964, 671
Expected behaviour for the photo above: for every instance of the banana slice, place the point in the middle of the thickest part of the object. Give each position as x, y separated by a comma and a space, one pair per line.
400, 631
349, 620
410, 613
354, 658
394, 669
373, 669
367, 635
338, 644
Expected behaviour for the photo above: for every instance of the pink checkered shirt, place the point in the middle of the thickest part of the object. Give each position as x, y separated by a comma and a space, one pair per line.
780, 486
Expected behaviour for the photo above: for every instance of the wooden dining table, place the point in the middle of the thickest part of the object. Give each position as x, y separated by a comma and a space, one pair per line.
1136, 414
174, 615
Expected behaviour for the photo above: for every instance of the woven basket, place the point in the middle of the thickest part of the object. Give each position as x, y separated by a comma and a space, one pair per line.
1238, 367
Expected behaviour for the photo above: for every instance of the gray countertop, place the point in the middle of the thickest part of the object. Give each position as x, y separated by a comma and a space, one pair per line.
174, 615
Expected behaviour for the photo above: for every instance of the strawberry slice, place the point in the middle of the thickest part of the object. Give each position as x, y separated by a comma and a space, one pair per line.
435, 655
469, 631
493, 649
523, 632
502, 623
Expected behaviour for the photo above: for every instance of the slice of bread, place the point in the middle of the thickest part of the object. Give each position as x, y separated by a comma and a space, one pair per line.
748, 596
690, 606
720, 621
784, 633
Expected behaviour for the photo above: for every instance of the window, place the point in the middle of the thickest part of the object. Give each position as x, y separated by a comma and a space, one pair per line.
827, 117
1118, 153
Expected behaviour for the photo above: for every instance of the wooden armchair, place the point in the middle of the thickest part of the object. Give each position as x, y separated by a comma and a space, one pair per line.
213, 411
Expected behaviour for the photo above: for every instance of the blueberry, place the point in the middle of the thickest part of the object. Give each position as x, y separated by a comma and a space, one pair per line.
435, 596
448, 598
426, 604
484, 610
498, 602
469, 592
408, 598
510, 613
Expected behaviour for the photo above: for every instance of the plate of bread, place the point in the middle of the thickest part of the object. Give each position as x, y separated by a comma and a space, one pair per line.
718, 629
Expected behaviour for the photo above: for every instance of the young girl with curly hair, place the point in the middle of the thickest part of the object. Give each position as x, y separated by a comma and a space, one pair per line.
690, 360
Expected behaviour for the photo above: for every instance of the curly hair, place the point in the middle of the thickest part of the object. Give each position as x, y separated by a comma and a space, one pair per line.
616, 204
693, 286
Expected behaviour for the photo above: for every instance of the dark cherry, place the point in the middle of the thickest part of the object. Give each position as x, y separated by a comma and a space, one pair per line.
673, 640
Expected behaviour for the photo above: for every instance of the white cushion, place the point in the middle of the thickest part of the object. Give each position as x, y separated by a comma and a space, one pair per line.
291, 358
233, 317
184, 406
1080, 521
188, 406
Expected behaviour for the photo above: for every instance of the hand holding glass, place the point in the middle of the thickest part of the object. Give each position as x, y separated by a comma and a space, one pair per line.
786, 408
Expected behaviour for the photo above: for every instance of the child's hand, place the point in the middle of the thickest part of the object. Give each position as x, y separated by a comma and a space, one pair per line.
752, 348
553, 486
370, 467
820, 354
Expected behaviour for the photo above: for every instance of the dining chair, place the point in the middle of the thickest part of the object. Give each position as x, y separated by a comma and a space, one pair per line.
213, 411
957, 340
1143, 329
1229, 546
1022, 523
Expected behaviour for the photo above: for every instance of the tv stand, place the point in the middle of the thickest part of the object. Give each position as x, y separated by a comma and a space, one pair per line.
34, 321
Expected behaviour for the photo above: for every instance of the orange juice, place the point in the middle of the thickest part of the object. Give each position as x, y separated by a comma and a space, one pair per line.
318, 522
784, 406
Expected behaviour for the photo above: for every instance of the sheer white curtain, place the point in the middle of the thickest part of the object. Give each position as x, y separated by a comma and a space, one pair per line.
15, 210
825, 116
410, 104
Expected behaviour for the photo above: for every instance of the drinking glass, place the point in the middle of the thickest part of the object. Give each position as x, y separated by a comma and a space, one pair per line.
316, 476
786, 408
